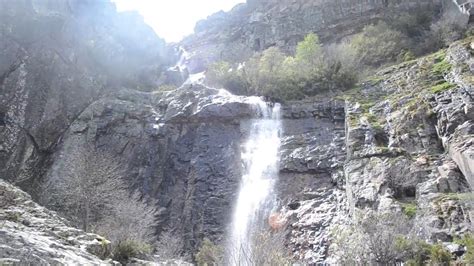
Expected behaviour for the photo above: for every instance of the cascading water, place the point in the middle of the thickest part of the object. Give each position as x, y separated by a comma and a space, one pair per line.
256, 198
182, 66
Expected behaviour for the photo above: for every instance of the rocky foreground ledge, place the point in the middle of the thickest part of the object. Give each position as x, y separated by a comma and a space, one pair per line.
34, 235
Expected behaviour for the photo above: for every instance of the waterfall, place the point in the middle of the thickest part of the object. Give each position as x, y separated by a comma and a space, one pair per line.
256, 198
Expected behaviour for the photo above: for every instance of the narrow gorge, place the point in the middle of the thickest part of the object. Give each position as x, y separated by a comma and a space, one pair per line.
280, 133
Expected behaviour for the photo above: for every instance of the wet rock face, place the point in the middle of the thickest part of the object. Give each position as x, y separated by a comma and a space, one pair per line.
455, 112
87, 83
181, 148
258, 25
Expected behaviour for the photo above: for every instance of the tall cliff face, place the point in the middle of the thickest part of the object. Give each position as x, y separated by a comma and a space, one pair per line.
56, 58
257, 25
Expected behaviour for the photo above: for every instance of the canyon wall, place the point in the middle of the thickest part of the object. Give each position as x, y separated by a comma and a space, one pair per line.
257, 25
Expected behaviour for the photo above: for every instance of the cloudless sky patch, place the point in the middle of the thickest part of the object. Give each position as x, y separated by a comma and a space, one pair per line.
175, 19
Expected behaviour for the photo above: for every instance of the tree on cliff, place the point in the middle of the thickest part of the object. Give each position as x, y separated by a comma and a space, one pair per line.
91, 192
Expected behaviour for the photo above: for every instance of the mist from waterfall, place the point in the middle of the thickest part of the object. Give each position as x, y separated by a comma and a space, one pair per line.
256, 198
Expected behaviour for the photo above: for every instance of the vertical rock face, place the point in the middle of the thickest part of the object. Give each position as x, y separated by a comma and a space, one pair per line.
311, 176
395, 147
181, 148
257, 25
56, 58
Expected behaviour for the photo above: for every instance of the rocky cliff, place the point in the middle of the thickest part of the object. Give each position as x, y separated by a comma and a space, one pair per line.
406, 141
260, 24
57, 57
403, 136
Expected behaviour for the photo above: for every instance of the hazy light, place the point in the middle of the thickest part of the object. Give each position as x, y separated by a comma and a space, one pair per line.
174, 19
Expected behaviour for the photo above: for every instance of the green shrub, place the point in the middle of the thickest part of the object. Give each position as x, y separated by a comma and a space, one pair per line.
125, 250
416, 252
439, 255
278, 76
413, 251
309, 54
467, 241
445, 86
222, 74
208, 254
442, 67
13, 216
409, 209
378, 44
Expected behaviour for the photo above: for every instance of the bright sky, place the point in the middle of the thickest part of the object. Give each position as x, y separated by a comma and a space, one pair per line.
175, 19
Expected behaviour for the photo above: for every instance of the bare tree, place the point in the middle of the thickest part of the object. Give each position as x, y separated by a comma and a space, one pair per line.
168, 246
266, 248
132, 219
88, 186
91, 192
372, 238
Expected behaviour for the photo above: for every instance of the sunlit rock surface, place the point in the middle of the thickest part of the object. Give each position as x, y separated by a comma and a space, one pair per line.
33, 235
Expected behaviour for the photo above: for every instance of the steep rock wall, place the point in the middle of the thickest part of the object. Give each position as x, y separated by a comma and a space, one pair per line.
257, 25
56, 58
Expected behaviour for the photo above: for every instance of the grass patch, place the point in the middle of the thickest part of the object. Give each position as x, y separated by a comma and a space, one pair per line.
467, 241
13, 217
374, 80
441, 66
445, 86
128, 249
409, 209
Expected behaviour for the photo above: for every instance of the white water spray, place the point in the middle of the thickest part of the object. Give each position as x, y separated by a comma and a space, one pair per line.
256, 198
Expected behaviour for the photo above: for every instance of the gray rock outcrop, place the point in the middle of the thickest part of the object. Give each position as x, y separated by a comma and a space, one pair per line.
33, 235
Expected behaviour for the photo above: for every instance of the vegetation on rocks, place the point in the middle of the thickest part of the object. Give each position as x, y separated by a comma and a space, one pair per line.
209, 254
365, 242
273, 74
92, 193
315, 68
409, 209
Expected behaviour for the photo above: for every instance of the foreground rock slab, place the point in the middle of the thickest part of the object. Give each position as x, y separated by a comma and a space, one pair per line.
33, 235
